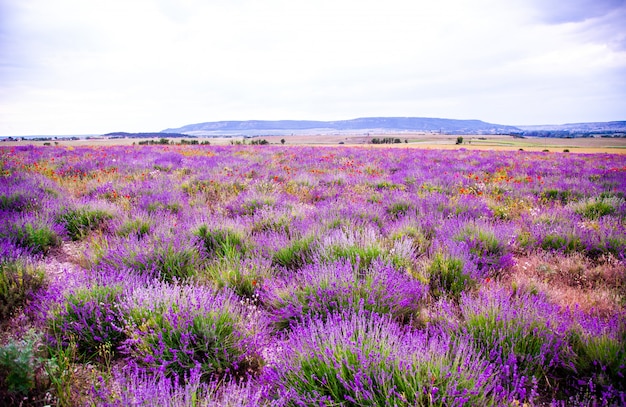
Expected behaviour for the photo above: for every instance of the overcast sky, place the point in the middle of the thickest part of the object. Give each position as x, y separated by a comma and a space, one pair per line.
91, 67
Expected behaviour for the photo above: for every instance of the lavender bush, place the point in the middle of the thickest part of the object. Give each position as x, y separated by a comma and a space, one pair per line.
358, 358
321, 289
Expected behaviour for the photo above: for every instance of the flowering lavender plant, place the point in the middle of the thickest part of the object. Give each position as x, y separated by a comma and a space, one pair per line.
321, 289
359, 358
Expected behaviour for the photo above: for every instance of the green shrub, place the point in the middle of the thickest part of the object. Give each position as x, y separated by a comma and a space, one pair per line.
488, 250
79, 222
181, 329
600, 358
242, 277
137, 227
251, 206
420, 239
37, 239
447, 277
568, 243
280, 224
363, 256
596, 208
172, 263
18, 281
89, 318
482, 242
159, 206
517, 331
562, 196
398, 209
296, 255
221, 243
16, 203
366, 360
19, 364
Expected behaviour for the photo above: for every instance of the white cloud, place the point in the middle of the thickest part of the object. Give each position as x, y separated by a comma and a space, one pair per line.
72, 66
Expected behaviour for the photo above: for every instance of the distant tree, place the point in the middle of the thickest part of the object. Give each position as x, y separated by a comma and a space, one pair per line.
386, 140
282, 141
459, 140
261, 142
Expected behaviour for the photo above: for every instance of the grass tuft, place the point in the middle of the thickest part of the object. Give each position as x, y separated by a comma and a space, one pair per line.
18, 282
79, 222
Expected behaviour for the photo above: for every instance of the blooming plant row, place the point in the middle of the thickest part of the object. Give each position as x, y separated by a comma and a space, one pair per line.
262, 275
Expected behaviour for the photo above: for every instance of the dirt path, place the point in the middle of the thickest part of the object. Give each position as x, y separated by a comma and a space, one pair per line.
64, 260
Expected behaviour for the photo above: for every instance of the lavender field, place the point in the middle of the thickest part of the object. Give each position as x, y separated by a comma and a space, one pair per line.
304, 276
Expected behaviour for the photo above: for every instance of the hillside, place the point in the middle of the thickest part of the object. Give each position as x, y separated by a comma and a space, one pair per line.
579, 127
367, 124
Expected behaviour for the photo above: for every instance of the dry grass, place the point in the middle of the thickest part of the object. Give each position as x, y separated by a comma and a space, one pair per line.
413, 140
573, 281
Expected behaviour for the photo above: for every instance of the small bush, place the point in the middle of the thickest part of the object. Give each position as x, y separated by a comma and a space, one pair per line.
489, 252
595, 209
567, 242
221, 243
321, 289
296, 255
447, 277
16, 202
18, 282
167, 262
21, 369
361, 256
39, 239
174, 263
600, 359
176, 329
420, 239
280, 224
79, 222
355, 358
562, 196
167, 258
525, 334
173, 207
398, 209
243, 277
135, 227
91, 318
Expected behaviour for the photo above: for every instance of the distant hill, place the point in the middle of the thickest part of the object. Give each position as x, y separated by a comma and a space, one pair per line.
615, 129
582, 127
362, 125
122, 134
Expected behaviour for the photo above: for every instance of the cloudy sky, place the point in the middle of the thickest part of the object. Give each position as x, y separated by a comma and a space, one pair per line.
90, 67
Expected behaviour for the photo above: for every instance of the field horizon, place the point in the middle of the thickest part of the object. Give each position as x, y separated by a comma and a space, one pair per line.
413, 140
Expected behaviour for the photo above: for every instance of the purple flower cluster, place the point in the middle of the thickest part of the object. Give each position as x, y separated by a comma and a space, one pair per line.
355, 357
321, 289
